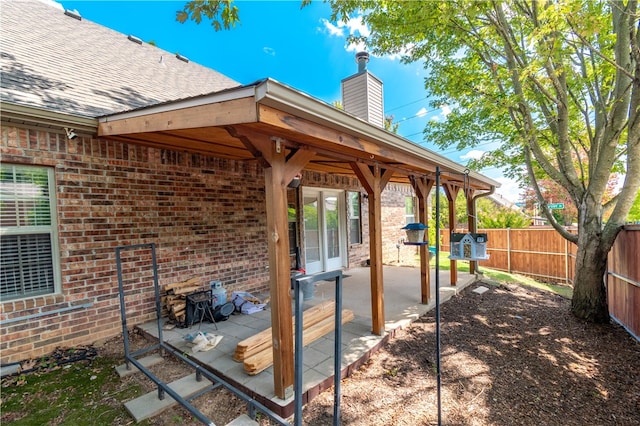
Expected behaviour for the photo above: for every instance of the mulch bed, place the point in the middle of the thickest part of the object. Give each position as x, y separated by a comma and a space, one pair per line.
511, 356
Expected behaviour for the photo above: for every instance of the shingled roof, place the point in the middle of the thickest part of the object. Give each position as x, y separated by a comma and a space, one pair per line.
55, 62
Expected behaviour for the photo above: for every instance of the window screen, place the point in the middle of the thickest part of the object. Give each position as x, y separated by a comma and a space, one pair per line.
409, 210
27, 232
355, 227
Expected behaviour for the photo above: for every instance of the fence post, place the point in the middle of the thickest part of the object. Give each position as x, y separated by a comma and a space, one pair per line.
509, 250
566, 261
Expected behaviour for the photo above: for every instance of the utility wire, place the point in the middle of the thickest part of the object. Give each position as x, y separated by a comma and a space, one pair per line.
407, 104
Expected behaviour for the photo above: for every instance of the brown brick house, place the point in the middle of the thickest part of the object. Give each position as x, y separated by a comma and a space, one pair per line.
108, 141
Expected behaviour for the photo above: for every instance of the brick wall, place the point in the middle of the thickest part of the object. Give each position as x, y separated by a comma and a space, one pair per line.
393, 220
206, 216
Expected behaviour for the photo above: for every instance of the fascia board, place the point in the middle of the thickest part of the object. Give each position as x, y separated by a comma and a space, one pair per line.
14, 113
280, 96
226, 95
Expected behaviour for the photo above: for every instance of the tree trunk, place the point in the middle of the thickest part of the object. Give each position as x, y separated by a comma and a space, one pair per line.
589, 300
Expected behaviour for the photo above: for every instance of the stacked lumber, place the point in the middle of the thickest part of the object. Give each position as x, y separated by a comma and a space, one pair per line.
258, 342
174, 298
256, 352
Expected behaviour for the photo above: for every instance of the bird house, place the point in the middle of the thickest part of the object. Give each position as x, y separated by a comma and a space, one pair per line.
469, 246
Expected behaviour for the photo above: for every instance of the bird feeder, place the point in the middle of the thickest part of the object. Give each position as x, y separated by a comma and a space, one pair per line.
469, 246
415, 232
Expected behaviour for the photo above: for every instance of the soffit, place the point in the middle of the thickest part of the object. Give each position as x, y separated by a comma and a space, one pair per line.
221, 124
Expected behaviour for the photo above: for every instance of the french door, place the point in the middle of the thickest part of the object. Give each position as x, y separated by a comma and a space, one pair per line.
324, 230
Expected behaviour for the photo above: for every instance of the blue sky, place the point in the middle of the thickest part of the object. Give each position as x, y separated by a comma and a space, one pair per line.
278, 39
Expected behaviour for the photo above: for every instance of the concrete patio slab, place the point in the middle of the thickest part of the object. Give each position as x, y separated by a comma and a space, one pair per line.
402, 305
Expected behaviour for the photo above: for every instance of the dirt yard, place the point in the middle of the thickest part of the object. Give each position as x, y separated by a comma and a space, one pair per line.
511, 356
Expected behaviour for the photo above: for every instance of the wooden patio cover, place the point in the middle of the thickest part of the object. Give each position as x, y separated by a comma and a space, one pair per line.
288, 131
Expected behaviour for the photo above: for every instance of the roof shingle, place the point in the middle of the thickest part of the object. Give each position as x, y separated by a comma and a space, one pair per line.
61, 64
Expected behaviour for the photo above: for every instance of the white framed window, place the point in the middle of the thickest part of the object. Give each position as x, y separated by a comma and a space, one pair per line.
29, 260
409, 210
355, 219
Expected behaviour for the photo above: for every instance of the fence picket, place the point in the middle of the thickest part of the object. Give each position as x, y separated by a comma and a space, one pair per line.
543, 254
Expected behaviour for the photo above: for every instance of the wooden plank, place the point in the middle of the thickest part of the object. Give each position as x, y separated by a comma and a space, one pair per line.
262, 340
263, 360
218, 114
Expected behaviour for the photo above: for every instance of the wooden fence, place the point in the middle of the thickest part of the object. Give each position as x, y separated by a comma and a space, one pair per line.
623, 280
544, 255
537, 252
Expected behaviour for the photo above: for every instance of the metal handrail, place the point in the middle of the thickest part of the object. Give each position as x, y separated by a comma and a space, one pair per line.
199, 370
337, 354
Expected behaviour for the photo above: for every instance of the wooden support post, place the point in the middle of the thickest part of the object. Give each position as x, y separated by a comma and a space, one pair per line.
452, 193
374, 180
278, 243
423, 186
281, 165
472, 223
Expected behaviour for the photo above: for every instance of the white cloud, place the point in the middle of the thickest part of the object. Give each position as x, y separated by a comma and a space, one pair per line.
510, 189
422, 112
333, 30
353, 26
446, 110
474, 154
269, 51
356, 27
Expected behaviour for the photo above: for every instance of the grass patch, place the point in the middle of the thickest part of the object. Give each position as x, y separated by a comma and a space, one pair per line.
504, 277
81, 393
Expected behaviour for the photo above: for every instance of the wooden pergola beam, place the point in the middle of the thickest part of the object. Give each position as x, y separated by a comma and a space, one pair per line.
471, 222
422, 186
452, 193
374, 180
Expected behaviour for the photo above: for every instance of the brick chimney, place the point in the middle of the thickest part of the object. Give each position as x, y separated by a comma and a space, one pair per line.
362, 93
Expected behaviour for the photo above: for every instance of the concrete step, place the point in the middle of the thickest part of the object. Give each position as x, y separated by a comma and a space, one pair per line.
146, 362
243, 420
149, 405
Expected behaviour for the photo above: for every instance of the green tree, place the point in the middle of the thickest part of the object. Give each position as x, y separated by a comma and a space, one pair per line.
541, 84
493, 216
221, 13
553, 87
389, 125
634, 213
488, 214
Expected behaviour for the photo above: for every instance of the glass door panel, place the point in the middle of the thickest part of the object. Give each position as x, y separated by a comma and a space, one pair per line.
312, 238
332, 231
